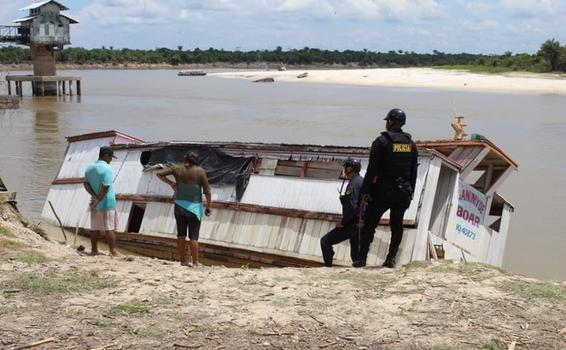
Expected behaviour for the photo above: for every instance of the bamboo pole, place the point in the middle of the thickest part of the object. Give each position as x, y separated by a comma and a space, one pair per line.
36, 343
59, 220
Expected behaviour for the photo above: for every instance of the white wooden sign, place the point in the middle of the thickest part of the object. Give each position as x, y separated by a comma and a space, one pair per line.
465, 227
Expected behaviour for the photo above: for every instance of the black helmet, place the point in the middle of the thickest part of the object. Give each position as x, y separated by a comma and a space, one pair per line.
355, 164
396, 115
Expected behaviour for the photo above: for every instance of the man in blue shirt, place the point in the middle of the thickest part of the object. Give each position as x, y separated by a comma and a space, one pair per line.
99, 184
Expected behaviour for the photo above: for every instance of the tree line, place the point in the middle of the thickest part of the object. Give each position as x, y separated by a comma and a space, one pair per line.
550, 57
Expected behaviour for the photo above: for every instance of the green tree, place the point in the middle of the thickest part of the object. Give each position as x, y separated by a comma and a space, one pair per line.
550, 51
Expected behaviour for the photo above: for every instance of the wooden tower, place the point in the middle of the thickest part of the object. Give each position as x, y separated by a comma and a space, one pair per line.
45, 29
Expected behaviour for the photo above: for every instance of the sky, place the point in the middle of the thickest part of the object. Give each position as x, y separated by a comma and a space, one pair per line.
453, 26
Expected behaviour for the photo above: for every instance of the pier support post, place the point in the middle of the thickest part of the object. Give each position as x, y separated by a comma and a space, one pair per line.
70, 88
78, 87
9, 87
20, 89
64, 87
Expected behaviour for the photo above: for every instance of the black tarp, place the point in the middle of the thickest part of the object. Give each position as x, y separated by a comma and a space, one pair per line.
221, 168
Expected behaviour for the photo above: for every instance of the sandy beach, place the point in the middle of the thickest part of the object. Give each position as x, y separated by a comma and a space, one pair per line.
521, 82
51, 293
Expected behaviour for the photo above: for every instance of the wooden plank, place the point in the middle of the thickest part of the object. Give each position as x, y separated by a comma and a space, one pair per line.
285, 170
160, 244
325, 165
472, 163
498, 181
323, 173
420, 248
68, 181
6, 197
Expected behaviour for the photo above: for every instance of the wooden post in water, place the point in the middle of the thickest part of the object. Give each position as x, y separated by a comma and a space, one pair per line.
78, 87
9, 87
70, 88
64, 88
21, 92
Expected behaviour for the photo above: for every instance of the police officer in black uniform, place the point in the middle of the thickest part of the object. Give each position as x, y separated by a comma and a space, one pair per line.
389, 184
346, 228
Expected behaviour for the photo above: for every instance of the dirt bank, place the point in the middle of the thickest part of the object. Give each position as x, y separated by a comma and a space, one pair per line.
50, 291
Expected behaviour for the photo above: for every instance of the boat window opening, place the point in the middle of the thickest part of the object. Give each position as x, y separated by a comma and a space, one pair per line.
136, 217
266, 166
442, 201
309, 169
145, 157
494, 223
477, 179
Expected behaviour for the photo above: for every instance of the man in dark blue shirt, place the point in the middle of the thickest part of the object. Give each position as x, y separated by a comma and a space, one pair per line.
347, 227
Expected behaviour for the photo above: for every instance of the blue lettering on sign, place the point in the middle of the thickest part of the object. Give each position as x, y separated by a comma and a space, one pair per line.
464, 231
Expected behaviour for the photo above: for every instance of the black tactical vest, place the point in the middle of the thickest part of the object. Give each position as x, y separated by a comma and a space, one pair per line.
397, 158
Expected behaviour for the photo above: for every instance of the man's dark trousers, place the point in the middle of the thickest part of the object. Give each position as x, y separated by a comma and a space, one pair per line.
336, 236
374, 211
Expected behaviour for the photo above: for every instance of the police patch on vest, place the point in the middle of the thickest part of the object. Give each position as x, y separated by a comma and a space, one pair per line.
402, 147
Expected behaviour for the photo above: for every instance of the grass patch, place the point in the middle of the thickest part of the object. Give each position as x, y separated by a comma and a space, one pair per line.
536, 290
464, 268
131, 308
417, 265
66, 283
479, 68
32, 258
493, 345
6, 232
142, 331
10, 246
449, 266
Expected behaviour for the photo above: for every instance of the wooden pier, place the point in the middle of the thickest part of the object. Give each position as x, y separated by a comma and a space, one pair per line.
44, 85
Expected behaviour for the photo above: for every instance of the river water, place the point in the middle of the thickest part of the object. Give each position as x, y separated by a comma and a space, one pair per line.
157, 105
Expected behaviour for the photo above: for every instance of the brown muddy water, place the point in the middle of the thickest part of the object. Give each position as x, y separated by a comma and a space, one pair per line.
157, 105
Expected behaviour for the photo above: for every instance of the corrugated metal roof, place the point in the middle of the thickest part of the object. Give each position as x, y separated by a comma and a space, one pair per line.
79, 156
39, 4
72, 20
24, 19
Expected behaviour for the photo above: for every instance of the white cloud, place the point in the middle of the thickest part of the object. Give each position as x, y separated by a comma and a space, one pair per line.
529, 8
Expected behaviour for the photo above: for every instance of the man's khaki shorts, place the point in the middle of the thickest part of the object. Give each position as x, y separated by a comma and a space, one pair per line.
104, 220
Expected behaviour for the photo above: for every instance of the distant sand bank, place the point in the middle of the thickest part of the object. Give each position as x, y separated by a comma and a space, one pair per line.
530, 83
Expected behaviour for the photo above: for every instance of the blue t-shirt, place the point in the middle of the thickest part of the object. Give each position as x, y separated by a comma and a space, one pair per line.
98, 174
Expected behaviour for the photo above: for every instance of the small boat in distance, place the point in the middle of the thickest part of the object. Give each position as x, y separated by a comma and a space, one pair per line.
264, 80
191, 73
